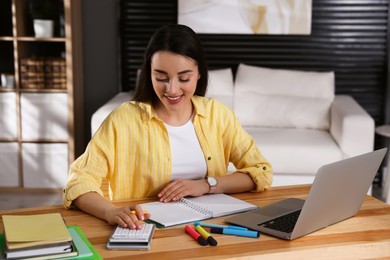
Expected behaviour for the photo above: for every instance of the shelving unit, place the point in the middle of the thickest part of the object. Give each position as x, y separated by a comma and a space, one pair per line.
39, 127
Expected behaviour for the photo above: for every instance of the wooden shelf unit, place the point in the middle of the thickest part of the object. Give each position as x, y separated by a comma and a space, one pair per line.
17, 41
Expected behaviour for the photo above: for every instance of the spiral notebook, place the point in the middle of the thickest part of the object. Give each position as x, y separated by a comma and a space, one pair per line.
194, 209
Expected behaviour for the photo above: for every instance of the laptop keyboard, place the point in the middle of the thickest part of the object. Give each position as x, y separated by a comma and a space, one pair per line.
284, 223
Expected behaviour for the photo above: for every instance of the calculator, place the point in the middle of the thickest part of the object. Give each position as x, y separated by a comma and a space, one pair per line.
131, 239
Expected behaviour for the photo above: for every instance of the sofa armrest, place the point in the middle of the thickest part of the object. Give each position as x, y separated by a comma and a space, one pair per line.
351, 126
101, 114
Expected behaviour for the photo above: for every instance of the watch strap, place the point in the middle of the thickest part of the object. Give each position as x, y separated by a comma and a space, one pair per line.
213, 189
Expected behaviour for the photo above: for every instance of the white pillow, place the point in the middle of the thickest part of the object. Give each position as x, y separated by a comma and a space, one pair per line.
283, 98
221, 86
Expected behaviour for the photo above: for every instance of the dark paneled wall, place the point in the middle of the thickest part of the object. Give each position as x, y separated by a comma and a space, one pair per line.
100, 56
348, 37
138, 21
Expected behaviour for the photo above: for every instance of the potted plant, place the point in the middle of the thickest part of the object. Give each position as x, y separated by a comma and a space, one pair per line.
44, 13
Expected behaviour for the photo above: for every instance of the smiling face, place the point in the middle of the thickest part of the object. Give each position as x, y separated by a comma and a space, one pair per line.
174, 79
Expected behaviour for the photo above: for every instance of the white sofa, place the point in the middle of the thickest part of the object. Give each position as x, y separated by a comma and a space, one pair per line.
297, 121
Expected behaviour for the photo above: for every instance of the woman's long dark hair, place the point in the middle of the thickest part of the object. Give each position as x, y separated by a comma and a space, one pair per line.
178, 39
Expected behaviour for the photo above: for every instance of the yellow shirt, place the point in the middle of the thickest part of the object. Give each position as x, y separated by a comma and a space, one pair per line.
131, 150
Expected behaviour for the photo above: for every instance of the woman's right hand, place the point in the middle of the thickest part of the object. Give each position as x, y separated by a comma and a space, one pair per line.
128, 216
96, 205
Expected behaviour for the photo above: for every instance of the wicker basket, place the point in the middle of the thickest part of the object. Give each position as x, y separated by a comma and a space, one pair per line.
39, 73
32, 75
55, 73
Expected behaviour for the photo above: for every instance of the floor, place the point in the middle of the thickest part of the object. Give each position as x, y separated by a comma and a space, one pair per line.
13, 200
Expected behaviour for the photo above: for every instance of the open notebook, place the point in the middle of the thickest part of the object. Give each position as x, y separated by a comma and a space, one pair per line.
194, 209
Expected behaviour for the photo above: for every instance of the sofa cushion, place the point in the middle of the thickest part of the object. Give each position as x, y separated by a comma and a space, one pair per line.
101, 114
221, 86
295, 151
283, 98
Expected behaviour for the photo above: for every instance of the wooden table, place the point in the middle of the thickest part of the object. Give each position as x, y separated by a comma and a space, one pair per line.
366, 235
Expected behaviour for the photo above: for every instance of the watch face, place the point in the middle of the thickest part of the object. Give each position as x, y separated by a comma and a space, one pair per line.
212, 181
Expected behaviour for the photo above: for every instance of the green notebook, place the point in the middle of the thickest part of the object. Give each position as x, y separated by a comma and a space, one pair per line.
84, 247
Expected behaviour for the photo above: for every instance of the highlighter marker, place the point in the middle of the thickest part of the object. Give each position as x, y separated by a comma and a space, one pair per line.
196, 235
235, 232
203, 224
203, 233
133, 212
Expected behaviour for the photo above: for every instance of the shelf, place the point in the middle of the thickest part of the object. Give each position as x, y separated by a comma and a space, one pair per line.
29, 49
8, 140
38, 125
5, 18
46, 90
34, 39
6, 38
7, 61
2, 89
43, 141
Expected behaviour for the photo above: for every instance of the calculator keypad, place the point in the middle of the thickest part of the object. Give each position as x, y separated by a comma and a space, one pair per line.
132, 235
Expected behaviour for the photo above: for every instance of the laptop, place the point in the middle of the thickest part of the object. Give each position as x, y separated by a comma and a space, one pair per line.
337, 193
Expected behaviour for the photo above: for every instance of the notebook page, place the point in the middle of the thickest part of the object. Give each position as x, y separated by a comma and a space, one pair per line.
172, 213
222, 204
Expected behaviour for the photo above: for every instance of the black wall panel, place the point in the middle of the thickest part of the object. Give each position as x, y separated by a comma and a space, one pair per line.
349, 37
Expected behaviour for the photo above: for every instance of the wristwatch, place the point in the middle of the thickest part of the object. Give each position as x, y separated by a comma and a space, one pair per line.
212, 183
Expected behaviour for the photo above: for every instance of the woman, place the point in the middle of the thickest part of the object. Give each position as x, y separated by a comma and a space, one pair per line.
167, 140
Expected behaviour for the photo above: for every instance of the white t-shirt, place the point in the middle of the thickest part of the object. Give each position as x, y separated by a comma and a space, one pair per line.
188, 160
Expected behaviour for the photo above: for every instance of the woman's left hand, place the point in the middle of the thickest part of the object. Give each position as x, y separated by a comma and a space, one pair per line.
178, 189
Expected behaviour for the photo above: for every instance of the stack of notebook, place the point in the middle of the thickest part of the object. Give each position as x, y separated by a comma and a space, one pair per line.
43, 236
37, 235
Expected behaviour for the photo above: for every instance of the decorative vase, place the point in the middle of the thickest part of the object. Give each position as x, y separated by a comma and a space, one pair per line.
43, 28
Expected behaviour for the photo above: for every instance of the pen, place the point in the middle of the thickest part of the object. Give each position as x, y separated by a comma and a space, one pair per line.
196, 235
133, 212
204, 234
235, 232
203, 224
